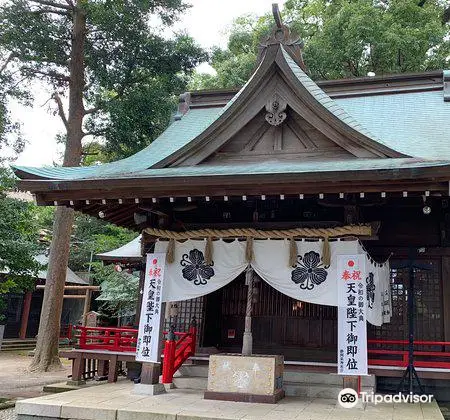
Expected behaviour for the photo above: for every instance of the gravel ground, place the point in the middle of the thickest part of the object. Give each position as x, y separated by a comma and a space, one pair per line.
8, 414
16, 382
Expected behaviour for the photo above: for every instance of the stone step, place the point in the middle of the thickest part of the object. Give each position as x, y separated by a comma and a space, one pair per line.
322, 378
18, 340
191, 382
292, 389
193, 370
295, 376
13, 347
16, 348
328, 391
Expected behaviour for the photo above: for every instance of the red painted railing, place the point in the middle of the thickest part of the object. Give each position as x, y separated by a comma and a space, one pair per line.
106, 338
177, 351
379, 355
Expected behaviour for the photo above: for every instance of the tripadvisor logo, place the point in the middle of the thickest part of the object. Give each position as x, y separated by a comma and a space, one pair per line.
348, 398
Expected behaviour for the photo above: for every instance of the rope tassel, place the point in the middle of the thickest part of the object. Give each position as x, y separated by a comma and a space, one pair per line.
209, 251
249, 255
293, 252
326, 252
170, 255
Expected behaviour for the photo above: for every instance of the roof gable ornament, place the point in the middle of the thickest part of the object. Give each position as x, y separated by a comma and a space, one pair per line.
281, 34
276, 108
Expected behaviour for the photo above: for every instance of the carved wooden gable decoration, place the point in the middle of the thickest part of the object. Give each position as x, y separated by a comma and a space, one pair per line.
280, 114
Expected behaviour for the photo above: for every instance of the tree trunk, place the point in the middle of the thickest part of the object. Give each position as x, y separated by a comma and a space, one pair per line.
46, 355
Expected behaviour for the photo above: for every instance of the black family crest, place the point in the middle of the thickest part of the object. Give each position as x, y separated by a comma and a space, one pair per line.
370, 290
195, 268
309, 271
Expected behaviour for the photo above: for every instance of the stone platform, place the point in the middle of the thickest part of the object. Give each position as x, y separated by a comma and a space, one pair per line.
117, 401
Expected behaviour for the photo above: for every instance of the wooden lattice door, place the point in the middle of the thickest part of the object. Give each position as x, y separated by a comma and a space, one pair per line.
186, 310
428, 317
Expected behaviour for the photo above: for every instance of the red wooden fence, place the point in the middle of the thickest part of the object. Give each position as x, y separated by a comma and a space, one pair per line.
106, 338
179, 346
379, 355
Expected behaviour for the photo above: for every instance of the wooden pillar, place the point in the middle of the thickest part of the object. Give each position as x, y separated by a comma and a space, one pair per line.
446, 297
113, 369
25, 315
352, 382
87, 305
247, 342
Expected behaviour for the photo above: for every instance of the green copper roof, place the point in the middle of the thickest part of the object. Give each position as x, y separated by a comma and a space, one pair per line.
415, 124
178, 134
277, 167
330, 104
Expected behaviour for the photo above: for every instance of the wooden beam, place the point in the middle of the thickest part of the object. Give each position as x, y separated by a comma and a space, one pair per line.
258, 188
93, 288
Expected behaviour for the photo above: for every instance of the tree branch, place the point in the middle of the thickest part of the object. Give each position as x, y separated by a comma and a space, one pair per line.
7, 61
11, 88
57, 12
50, 73
91, 110
95, 132
53, 4
446, 15
61, 112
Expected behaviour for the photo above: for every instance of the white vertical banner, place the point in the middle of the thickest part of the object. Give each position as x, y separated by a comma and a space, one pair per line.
352, 327
147, 346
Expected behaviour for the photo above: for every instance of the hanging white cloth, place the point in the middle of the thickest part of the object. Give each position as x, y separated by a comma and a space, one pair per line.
309, 280
189, 276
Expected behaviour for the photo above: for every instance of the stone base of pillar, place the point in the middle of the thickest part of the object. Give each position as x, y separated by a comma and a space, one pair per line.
169, 386
149, 389
247, 344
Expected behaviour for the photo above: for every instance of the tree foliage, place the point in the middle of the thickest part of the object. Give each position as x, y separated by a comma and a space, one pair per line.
343, 39
119, 290
95, 52
132, 73
11, 140
89, 236
19, 233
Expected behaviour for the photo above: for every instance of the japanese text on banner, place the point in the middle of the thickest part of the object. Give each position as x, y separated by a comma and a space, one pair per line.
352, 328
147, 346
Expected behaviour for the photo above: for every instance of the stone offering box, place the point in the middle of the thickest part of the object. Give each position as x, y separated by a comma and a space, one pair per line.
233, 377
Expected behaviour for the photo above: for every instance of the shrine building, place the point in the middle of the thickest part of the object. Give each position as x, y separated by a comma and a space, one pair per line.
252, 194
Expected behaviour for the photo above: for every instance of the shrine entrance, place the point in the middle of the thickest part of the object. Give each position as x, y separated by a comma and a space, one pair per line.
300, 331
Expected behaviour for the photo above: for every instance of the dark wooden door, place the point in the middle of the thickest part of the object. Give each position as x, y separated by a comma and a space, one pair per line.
280, 324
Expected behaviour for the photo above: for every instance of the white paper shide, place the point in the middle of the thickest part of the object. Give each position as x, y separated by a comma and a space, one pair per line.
149, 324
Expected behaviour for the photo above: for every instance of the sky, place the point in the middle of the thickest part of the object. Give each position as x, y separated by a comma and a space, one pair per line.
207, 21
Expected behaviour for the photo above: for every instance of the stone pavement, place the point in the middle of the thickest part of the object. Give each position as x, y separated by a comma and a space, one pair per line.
118, 402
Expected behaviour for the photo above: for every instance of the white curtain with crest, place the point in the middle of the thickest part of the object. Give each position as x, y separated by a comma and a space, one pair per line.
309, 280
